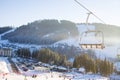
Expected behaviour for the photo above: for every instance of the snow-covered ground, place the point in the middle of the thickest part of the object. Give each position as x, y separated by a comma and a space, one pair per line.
44, 75
115, 77
4, 65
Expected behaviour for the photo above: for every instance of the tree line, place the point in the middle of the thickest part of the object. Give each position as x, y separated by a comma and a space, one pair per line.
104, 67
44, 55
86, 60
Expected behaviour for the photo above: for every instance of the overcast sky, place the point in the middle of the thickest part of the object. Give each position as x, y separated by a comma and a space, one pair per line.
19, 12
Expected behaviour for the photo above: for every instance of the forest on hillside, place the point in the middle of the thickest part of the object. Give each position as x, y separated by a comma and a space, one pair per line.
4, 29
43, 32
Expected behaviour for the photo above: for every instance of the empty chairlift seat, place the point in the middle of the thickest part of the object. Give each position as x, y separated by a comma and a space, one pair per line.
92, 40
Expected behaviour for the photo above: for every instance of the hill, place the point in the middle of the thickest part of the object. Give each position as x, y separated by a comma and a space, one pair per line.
43, 32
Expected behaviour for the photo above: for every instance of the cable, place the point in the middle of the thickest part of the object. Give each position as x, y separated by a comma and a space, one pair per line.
89, 11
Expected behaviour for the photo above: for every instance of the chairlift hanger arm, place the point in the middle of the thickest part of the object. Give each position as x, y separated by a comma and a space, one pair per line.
87, 19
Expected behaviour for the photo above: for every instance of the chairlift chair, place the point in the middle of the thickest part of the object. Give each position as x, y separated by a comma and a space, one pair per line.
99, 45
92, 45
118, 53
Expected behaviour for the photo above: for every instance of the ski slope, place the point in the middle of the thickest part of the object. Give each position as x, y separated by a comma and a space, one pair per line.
4, 65
12, 30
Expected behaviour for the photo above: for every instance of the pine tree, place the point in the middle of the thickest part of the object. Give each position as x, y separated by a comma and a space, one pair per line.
75, 63
97, 62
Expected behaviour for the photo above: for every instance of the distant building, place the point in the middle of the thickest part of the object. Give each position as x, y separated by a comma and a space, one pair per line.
5, 52
81, 70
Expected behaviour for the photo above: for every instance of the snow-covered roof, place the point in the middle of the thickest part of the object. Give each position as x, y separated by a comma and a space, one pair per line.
81, 69
62, 68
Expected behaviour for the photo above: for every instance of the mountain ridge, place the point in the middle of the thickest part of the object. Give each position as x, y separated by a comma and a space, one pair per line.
51, 31
38, 32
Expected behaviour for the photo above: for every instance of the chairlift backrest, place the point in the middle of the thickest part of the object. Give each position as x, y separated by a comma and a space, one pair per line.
87, 44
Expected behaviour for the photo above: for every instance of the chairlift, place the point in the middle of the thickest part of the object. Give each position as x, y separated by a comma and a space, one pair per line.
97, 35
99, 45
118, 53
